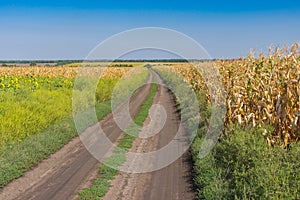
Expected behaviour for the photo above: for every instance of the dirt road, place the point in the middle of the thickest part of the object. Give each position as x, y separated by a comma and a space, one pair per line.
171, 182
72, 168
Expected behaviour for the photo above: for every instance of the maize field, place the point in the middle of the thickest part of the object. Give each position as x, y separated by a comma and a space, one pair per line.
259, 91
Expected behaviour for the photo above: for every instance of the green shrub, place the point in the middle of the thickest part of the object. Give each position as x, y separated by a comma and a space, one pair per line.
243, 166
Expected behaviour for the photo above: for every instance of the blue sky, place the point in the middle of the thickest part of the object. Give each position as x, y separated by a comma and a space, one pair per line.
71, 29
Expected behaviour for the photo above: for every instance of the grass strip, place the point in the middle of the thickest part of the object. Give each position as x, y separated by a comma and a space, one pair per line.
102, 184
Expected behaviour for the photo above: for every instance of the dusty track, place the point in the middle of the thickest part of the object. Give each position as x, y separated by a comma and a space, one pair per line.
70, 169
171, 182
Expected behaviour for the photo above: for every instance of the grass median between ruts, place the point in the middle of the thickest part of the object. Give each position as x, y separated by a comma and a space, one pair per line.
106, 173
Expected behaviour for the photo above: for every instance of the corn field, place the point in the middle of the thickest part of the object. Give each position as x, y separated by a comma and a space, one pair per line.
259, 91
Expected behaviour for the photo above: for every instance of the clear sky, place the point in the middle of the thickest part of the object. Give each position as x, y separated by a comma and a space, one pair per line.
58, 29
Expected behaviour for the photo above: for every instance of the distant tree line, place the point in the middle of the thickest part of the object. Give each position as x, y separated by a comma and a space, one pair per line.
65, 62
121, 65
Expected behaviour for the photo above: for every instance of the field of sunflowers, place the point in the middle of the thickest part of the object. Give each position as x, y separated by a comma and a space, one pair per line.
33, 98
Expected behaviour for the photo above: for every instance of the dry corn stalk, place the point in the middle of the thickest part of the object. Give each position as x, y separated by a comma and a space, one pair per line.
260, 91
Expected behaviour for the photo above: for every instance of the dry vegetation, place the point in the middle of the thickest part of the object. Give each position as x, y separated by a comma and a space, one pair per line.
260, 91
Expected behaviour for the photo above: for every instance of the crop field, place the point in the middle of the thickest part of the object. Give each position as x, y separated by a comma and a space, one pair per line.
32, 98
263, 91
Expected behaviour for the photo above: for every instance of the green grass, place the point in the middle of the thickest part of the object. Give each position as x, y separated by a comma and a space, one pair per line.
106, 173
243, 166
20, 157
26, 112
